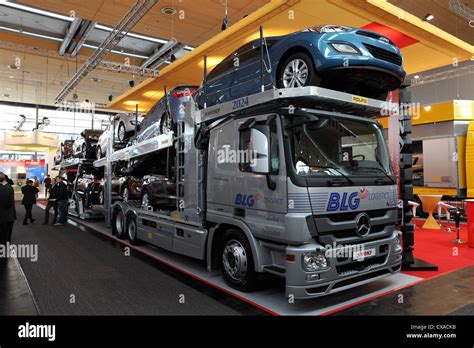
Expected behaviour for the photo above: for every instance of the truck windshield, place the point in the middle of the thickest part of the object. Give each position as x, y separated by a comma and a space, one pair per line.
338, 147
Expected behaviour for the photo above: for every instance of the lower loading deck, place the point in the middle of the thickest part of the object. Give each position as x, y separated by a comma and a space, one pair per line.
271, 299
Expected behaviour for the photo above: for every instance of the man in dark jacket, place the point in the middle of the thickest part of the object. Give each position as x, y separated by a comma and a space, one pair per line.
7, 210
52, 203
62, 197
29, 198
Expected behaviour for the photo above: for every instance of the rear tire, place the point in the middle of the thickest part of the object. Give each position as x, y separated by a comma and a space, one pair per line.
118, 224
304, 76
237, 261
132, 230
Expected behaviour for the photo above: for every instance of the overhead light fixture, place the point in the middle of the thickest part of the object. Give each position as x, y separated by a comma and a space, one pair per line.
95, 79
13, 67
36, 10
11, 77
416, 76
131, 83
111, 97
169, 11
428, 17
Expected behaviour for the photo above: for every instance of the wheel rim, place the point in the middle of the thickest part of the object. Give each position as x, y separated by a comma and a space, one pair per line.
121, 132
101, 197
295, 73
145, 200
99, 153
132, 230
119, 223
84, 151
234, 259
125, 194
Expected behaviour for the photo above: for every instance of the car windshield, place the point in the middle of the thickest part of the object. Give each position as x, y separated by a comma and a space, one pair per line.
338, 147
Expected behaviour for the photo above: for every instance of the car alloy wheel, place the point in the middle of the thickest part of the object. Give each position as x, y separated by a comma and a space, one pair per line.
125, 194
145, 200
295, 73
99, 152
121, 132
101, 197
84, 151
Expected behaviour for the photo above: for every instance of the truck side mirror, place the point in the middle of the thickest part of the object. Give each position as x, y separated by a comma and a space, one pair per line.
260, 150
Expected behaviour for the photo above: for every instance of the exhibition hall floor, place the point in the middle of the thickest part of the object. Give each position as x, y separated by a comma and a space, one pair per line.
84, 262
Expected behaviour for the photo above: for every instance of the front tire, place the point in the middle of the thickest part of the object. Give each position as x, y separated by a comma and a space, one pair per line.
237, 261
145, 199
298, 71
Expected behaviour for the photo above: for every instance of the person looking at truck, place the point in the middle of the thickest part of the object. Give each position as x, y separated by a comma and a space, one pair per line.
62, 197
52, 203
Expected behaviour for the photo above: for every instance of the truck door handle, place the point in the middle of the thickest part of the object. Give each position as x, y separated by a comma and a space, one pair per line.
239, 212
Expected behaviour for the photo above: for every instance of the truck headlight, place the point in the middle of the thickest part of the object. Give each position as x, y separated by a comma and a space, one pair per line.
398, 243
343, 48
314, 261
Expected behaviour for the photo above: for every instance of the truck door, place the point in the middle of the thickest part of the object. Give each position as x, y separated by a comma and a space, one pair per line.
259, 183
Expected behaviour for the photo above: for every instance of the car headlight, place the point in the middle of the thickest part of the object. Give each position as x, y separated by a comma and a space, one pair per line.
331, 29
398, 243
314, 261
344, 48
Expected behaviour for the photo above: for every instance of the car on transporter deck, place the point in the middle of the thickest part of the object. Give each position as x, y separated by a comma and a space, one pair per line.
128, 188
85, 145
336, 57
165, 113
126, 125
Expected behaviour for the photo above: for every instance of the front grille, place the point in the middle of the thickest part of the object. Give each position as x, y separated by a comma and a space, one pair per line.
373, 36
358, 266
340, 217
385, 55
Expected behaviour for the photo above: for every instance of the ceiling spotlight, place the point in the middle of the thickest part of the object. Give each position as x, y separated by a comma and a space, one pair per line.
87, 100
13, 67
169, 11
111, 97
11, 77
95, 79
131, 83
416, 76
428, 17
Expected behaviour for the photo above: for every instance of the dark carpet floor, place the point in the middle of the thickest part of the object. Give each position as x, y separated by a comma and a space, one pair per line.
77, 273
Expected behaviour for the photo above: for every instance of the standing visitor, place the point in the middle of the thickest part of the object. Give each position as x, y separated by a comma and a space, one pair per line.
29, 198
52, 203
47, 184
7, 210
62, 197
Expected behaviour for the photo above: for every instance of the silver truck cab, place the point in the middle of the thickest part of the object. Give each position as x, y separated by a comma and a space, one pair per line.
317, 202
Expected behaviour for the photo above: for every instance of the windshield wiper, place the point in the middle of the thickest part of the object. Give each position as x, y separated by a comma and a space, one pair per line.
384, 173
337, 181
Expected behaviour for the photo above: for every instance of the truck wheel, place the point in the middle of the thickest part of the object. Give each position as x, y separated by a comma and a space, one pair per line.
237, 261
132, 230
119, 224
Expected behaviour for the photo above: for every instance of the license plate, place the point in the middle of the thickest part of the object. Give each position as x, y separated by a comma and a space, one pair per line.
360, 255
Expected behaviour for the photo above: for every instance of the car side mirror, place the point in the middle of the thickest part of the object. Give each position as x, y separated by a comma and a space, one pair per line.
260, 150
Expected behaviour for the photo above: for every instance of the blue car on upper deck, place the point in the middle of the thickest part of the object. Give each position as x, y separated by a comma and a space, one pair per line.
346, 59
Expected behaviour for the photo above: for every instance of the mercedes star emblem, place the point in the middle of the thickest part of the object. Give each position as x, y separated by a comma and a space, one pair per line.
362, 224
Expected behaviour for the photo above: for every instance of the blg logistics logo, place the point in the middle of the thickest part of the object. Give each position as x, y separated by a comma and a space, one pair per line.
346, 201
249, 200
